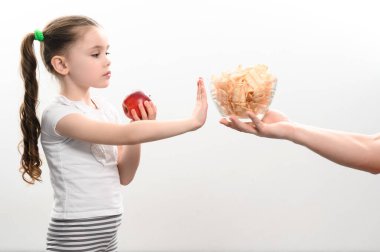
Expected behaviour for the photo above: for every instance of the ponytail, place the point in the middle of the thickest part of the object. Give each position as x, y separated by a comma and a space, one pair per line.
30, 126
56, 37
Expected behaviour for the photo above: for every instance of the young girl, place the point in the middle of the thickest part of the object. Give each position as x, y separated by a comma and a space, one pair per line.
88, 152
353, 150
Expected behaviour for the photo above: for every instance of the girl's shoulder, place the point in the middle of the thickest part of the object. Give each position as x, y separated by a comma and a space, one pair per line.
61, 106
60, 103
58, 108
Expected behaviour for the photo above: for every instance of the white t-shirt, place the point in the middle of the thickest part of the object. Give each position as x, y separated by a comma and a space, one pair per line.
84, 176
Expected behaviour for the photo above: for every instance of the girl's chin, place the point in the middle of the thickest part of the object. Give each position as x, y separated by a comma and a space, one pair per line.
102, 85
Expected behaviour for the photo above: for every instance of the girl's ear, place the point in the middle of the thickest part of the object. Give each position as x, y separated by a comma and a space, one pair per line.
60, 65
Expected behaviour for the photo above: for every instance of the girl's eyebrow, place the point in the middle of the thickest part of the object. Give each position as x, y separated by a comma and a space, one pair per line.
99, 47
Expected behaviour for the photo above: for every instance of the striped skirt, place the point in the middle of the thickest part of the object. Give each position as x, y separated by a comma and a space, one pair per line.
98, 234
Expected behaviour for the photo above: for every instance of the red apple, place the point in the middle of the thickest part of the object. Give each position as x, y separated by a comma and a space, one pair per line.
132, 102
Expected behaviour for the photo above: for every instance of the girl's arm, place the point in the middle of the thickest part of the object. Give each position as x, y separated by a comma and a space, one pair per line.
77, 126
129, 155
349, 149
128, 162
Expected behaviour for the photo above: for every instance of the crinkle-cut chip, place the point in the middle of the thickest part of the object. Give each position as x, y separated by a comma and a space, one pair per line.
244, 89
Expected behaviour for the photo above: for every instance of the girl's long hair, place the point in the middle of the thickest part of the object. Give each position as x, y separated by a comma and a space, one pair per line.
58, 35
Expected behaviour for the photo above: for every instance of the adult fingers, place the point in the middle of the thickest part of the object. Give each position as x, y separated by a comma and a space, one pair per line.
256, 121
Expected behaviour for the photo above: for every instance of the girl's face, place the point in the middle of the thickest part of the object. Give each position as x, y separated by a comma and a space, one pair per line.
88, 61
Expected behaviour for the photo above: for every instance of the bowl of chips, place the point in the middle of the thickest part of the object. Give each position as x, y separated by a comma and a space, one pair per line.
243, 89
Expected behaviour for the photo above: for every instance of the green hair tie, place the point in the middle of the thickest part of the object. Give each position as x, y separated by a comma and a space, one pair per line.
38, 35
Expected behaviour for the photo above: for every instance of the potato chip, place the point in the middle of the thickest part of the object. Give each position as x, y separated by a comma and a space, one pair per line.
242, 90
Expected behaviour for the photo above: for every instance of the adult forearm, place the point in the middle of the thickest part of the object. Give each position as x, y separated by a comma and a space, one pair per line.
348, 149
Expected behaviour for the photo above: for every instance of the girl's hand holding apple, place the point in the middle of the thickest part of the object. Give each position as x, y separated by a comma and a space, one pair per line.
138, 106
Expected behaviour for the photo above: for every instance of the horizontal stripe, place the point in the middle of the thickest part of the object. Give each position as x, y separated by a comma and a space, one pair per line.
65, 245
75, 229
86, 225
89, 228
80, 240
79, 235
86, 219
99, 248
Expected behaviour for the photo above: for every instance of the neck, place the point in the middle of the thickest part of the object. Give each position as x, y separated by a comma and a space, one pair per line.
75, 92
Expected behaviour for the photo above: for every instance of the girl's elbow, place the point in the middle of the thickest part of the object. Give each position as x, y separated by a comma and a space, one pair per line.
126, 181
375, 171
372, 169
131, 141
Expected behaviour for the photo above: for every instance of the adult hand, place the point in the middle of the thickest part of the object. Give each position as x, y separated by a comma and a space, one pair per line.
273, 125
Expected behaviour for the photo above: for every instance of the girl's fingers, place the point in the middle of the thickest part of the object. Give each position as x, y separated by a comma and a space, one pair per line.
200, 88
154, 108
149, 109
204, 96
134, 115
144, 116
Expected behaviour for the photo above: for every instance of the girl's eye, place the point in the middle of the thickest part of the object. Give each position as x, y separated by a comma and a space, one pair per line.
96, 55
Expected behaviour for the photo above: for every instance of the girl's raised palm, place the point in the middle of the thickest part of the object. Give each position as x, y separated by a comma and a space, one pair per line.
200, 111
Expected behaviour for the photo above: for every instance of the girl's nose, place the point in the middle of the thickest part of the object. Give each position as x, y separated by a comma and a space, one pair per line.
107, 60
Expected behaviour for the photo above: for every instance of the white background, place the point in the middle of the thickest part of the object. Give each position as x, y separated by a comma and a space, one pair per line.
217, 189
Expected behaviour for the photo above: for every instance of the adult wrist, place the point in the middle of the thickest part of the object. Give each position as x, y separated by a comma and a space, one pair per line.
291, 132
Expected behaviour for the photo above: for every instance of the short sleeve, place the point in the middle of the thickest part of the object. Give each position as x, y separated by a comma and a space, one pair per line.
51, 117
